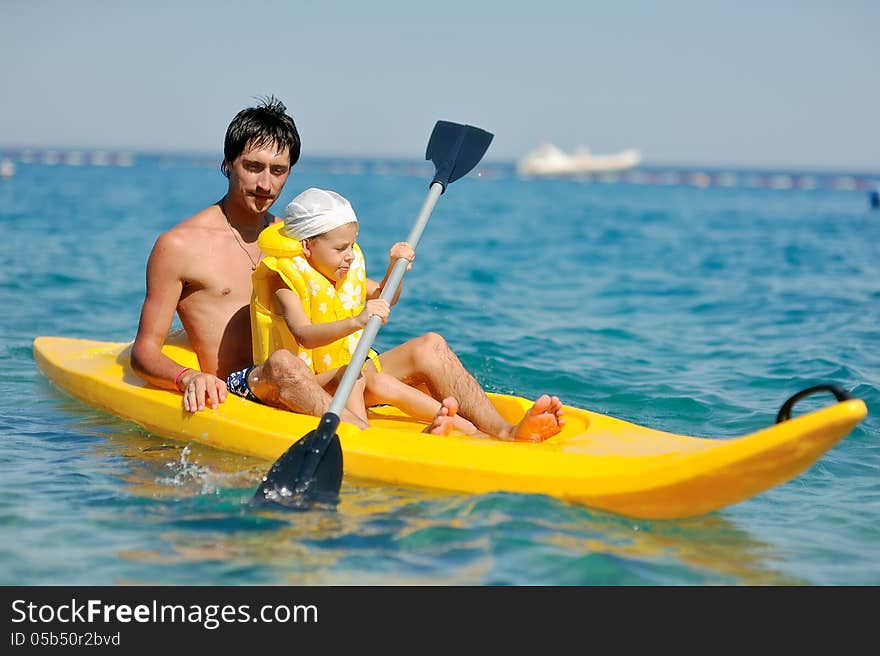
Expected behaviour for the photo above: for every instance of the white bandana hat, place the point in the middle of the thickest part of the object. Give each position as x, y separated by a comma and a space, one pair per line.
316, 211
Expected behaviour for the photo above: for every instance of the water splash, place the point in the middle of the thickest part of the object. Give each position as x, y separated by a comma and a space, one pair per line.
187, 474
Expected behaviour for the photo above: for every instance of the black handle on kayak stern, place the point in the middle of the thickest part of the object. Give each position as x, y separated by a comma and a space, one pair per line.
785, 411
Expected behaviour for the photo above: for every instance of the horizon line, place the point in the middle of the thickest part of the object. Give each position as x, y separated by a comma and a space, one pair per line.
11, 150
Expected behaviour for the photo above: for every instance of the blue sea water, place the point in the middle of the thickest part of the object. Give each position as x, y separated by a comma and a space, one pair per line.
691, 310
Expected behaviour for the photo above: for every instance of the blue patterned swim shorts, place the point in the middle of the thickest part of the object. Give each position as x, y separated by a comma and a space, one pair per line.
238, 385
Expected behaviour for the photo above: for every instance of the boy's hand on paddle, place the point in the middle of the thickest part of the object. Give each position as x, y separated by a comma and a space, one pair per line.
377, 306
202, 390
402, 250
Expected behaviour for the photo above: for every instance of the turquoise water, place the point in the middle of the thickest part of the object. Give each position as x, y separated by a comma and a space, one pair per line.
696, 311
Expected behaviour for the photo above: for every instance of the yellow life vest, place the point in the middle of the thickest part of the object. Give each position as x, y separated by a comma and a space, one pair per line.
322, 301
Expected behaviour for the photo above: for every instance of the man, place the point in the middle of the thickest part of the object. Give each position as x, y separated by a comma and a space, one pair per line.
201, 268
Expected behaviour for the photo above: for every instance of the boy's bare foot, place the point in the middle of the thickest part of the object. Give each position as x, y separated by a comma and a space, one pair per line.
543, 420
444, 421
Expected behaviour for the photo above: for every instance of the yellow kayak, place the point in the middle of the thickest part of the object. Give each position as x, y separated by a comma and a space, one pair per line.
596, 460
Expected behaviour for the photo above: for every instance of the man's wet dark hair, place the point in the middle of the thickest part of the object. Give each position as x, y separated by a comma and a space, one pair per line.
262, 126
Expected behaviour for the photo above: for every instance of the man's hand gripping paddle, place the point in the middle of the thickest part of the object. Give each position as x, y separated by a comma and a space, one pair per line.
310, 471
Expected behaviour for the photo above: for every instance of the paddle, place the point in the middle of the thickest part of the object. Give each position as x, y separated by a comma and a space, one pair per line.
310, 471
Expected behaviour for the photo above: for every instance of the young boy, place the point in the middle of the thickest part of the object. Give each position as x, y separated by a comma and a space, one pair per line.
312, 297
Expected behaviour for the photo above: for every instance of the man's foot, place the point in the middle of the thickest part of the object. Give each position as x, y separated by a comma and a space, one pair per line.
543, 420
444, 421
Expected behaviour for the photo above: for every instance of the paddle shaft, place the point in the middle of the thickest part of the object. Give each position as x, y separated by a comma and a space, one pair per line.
311, 469
343, 391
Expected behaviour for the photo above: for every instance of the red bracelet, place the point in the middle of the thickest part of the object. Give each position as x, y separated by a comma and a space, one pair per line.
177, 377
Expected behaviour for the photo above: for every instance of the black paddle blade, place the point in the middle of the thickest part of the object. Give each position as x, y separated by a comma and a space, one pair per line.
309, 473
455, 149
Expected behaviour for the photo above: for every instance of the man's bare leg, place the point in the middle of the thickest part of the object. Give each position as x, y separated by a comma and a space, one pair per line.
285, 381
428, 360
542, 420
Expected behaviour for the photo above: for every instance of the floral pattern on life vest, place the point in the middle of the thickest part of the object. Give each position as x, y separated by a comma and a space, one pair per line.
327, 303
322, 302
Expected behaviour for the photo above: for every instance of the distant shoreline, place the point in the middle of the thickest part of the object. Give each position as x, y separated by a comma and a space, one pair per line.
648, 174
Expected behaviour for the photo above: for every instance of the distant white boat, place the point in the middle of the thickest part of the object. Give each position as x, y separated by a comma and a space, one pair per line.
7, 168
548, 160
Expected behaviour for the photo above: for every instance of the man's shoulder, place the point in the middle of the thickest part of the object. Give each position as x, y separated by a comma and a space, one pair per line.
205, 219
202, 221
188, 234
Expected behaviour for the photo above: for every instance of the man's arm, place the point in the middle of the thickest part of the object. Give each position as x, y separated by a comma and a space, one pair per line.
164, 288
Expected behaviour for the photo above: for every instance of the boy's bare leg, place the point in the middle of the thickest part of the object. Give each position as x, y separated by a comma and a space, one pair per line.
444, 421
286, 381
356, 404
385, 388
428, 360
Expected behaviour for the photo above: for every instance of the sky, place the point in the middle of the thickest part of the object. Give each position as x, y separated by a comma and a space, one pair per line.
745, 83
